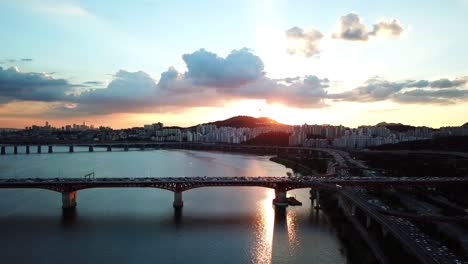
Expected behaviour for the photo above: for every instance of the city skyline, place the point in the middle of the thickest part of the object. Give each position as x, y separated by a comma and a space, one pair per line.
95, 126
128, 64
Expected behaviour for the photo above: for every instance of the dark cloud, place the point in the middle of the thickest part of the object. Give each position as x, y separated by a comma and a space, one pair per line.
17, 85
168, 77
125, 86
207, 69
93, 83
304, 42
446, 83
445, 96
376, 89
350, 27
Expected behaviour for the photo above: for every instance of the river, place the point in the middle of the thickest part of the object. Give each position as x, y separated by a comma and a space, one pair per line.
125, 225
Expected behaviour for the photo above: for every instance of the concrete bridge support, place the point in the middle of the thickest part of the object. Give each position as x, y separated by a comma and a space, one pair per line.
3, 150
126, 148
280, 198
315, 195
71, 148
353, 210
39, 148
27, 150
384, 231
178, 202
69, 200
90, 148
51, 150
142, 147
15, 150
109, 148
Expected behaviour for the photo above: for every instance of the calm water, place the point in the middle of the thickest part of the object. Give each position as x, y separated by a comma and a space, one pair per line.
123, 225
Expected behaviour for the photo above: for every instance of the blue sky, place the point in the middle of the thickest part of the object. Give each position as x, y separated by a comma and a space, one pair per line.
91, 41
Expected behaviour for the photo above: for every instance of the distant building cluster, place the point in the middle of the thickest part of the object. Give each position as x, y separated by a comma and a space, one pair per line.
48, 127
453, 131
315, 135
208, 133
368, 136
326, 136
321, 136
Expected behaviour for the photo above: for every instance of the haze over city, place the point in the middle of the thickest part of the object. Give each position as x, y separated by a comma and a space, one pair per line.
129, 63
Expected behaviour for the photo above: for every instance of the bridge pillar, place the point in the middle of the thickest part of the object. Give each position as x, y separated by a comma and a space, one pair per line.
317, 199
39, 148
280, 198
27, 150
142, 147
368, 221
71, 148
15, 150
50, 149
3, 150
126, 148
109, 148
353, 210
90, 148
384, 231
178, 202
68, 200
312, 194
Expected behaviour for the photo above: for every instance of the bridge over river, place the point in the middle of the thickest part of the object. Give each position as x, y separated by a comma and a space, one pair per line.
70, 186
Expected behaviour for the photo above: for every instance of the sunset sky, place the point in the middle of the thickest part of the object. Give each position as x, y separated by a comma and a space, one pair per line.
129, 63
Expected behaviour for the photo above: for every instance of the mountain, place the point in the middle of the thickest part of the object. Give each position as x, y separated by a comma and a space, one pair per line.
245, 121
396, 126
465, 125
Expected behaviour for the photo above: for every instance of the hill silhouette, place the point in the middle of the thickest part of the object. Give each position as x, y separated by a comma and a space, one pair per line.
398, 127
245, 121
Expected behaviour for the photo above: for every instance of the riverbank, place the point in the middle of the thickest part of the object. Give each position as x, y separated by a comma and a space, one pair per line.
309, 166
295, 166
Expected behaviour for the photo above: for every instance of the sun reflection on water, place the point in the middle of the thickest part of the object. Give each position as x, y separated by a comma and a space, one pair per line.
291, 220
264, 226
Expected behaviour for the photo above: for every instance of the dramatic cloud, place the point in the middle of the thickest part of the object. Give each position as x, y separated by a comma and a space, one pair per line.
303, 92
126, 86
168, 77
17, 85
211, 80
304, 42
445, 96
376, 89
392, 28
350, 27
446, 83
207, 69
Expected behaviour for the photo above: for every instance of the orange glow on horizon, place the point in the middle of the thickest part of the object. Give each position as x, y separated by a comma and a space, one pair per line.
22, 114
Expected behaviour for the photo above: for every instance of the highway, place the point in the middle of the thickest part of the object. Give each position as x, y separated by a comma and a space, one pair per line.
426, 249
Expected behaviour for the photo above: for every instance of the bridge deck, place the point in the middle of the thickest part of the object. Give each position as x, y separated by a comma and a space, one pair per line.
186, 183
